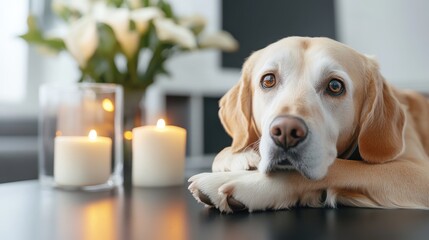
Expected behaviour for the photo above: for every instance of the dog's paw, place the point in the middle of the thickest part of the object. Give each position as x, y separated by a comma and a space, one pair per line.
228, 161
205, 188
238, 191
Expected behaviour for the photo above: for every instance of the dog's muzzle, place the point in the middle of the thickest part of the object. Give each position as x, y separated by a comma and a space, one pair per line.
288, 132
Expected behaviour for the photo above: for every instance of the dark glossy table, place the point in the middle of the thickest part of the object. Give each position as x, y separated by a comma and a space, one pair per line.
28, 211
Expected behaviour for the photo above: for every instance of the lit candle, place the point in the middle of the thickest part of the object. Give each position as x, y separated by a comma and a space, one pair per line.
158, 155
82, 161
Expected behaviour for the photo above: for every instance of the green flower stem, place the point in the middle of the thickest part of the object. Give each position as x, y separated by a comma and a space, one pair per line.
132, 64
155, 63
115, 72
87, 73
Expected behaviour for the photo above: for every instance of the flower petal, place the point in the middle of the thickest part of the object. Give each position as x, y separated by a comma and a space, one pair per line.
135, 4
100, 11
195, 22
82, 40
142, 16
169, 31
119, 20
221, 40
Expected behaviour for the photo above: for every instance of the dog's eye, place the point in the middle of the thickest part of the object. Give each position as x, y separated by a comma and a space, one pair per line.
268, 80
335, 87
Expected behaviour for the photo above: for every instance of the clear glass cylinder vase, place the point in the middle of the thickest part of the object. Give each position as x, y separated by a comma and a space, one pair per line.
80, 136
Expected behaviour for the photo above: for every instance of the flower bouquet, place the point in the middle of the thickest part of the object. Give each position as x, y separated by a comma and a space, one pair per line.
125, 42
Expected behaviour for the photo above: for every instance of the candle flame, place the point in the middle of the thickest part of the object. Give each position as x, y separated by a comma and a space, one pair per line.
92, 135
160, 123
108, 105
128, 135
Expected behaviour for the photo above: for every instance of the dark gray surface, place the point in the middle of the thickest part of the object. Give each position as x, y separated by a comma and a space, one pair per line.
18, 167
18, 127
256, 24
31, 212
18, 149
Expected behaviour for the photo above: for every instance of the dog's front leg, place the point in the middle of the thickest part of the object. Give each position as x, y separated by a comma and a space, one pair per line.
396, 184
226, 160
245, 190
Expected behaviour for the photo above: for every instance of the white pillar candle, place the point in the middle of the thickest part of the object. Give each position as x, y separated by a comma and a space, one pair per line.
82, 161
158, 155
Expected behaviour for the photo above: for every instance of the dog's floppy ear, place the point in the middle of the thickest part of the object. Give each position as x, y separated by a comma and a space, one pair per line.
235, 112
382, 121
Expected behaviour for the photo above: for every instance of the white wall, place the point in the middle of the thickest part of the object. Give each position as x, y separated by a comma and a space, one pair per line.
12, 52
31, 65
395, 31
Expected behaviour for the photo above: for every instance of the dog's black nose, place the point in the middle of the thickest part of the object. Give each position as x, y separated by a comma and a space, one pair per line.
287, 131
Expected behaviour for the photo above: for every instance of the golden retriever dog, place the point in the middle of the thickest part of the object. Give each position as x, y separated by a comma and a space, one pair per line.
314, 123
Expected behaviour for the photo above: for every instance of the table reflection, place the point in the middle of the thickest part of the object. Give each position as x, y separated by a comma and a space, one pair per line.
163, 209
99, 220
80, 215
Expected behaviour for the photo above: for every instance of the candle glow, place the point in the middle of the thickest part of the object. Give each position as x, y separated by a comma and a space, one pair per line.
128, 135
92, 135
108, 105
160, 123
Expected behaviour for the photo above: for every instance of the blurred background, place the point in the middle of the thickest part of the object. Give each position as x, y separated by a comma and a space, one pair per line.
396, 32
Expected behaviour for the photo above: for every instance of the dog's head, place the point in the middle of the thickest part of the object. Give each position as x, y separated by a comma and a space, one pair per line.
307, 101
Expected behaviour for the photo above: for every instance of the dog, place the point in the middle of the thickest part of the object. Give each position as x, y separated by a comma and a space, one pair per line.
314, 123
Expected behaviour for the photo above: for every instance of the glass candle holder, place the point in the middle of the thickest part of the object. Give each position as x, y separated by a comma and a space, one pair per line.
80, 136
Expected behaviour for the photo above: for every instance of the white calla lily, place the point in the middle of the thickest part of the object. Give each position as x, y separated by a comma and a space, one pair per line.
168, 31
82, 40
194, 22
119, 20
58, 6
143, 16
134, 4
100, 11
221, 40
